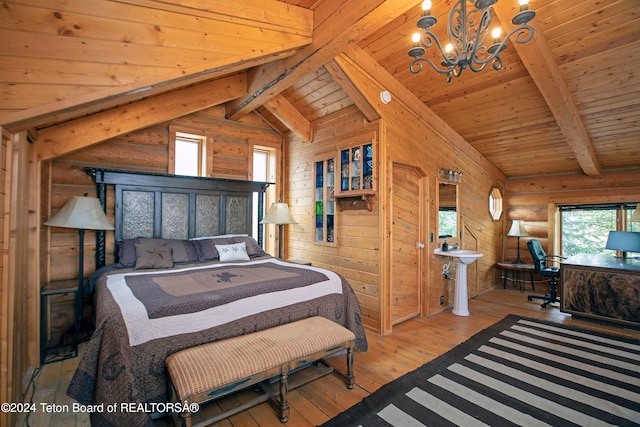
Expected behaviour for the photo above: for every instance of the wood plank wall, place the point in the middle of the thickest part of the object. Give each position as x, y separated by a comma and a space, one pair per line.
534, 200
145, 150
412, 136
230, 145
19, 290
356, 252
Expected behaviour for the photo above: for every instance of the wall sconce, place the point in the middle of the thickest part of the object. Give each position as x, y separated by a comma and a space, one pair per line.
451, 175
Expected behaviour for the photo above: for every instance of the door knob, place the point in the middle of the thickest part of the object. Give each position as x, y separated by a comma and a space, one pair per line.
420, 245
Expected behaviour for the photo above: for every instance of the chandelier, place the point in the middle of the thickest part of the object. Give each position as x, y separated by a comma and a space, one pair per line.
467, 35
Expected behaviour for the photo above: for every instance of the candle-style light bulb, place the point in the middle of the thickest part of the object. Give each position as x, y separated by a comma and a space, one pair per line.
496, 34
426, 7
416, 38
524, 5
448, 48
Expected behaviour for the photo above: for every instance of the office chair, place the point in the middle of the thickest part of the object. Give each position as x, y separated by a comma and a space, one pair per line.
540, 259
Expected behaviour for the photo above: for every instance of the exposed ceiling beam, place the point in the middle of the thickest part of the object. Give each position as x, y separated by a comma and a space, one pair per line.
347, 24
538, 58
341, 78
290, 117
74, 135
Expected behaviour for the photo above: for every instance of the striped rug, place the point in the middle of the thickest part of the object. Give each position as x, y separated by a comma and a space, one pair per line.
518, 372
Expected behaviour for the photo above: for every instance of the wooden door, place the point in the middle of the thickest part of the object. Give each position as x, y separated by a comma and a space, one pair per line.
406, 207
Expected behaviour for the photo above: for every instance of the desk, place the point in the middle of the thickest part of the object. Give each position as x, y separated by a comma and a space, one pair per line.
602, 287
515, 270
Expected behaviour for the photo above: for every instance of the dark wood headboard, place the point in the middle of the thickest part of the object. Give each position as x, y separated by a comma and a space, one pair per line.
175, 206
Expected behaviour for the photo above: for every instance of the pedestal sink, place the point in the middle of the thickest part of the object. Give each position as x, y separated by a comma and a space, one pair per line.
461, 257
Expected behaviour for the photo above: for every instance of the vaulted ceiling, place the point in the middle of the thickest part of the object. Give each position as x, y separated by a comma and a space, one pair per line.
568, 101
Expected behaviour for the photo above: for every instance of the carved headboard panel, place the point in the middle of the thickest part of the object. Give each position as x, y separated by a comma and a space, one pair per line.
177, 207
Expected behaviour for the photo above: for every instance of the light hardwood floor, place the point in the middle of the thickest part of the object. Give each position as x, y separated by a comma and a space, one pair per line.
411, 344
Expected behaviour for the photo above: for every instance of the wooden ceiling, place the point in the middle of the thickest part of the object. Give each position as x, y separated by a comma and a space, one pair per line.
568, 101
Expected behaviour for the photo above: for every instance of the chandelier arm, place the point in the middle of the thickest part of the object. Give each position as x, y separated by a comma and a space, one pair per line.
524, 33
428, 39
417, 66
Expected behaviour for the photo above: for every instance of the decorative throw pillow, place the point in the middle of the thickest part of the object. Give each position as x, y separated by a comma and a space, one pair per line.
183, 250
233, 252
126, 252
159, 256
207, 247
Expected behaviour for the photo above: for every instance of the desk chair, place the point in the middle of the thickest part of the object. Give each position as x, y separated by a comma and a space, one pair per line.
540, 259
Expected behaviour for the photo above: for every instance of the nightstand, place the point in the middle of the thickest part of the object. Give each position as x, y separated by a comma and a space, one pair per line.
59, 351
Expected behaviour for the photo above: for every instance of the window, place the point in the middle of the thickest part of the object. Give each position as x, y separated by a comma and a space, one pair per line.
585, 228
495, 204
263, 170
190, 154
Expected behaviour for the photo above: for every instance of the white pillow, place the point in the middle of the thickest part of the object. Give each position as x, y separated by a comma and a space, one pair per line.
234, 252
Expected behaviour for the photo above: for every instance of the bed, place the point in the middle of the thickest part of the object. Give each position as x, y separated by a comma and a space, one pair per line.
177, 284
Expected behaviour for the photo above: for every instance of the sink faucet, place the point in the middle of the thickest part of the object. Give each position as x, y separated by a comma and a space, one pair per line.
455, 247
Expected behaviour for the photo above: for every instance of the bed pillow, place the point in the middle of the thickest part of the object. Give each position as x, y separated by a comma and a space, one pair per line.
208, 252
233, 252
126, 252
183, 250
159, 256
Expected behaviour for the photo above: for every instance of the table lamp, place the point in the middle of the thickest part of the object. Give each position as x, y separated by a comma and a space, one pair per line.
518, 230
278, 214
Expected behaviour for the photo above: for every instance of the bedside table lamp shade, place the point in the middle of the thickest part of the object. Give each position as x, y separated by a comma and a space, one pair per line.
278, 214
518, 230
81, 213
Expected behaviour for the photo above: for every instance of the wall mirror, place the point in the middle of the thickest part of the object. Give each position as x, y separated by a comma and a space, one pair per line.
447, 210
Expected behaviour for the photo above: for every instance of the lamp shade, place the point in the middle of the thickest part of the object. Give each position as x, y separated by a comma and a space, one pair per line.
624, 241
83, 213
278, 213
518, 229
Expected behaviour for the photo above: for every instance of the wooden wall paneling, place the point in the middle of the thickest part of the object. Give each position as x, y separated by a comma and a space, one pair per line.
356, 254
144, 150
535, 201
19, 304
416, 136
6, 335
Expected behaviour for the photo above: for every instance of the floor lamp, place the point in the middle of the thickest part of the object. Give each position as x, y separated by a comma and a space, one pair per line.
81, 213
518, 230
278, 214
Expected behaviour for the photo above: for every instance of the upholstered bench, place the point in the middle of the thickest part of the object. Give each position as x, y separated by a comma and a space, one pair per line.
209, 371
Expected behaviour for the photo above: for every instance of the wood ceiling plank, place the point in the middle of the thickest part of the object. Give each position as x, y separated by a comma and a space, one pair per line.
350, 23
270, 14
539, 61
65, 138
357, 59
138, 70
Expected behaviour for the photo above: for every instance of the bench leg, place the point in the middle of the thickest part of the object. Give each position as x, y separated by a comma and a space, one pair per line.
350, 376
284, 391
